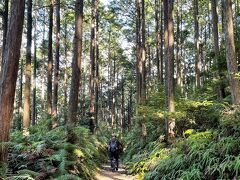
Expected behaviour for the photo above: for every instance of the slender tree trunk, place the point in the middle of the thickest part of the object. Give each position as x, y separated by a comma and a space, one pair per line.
5, 26
76, 63
169, 50
93, 66
141, 58
43, 66
56, 66
113, 99
197, 51
221, 92
158, 38
97, 65
165, 7
123, 106
161, 46
34, 110
9, 76
20, 104
178, 58
230, 53
138, 49
50, 61
109, 77
143, 54
130, 105
65, 86
28, 69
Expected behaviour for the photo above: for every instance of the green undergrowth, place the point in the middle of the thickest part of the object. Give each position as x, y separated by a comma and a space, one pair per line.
206, 144
57, 154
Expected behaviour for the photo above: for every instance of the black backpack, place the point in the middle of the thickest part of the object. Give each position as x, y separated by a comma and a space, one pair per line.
113, 146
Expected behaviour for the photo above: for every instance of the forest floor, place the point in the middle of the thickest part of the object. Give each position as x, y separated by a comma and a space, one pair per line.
105, 173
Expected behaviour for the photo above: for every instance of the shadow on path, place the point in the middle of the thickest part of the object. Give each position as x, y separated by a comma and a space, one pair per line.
106, 173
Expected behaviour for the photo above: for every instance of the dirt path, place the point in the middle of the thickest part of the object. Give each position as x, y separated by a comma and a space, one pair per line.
106, 173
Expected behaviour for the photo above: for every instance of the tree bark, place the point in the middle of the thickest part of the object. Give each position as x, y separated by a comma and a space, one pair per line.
197, 49
97, 65
158, 39
5, 26
20, 98
34, 110
169, 45
231, 53
93, 66
28, 71
56, 65
76, 63
178, 57
141, 52
65, 86
50, 61
221, 92
123, 124
9, 72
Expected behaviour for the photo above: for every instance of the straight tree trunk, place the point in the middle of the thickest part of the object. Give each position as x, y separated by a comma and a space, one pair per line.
28, 69
20, 98
9, 72
34, 110
141, 58
5, 25
221, 92
143, 54
138, 48
161, 41
169, 56
178, 58
231, 53
65, 86
50, 61
56, 65
43, 77
93, 66
158, 38
97, 65
197, 49
123, 125
76, 63
130, 105
165, 7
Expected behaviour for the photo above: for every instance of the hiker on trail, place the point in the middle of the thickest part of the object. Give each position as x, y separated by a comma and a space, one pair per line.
114, 148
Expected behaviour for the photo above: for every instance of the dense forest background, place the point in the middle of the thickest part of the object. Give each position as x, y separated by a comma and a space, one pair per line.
163, 75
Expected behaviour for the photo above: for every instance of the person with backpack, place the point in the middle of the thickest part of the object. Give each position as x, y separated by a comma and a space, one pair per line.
114, 148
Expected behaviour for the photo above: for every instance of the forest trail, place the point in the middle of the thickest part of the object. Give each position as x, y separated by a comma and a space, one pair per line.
105, 173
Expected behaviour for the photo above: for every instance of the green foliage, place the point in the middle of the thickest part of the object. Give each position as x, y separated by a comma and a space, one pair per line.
209, 148
54, 155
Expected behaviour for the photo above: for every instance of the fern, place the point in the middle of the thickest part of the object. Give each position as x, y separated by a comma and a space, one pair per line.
28, 172
20, 177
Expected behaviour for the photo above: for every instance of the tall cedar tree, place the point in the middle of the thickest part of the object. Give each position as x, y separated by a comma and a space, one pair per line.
5, 25
34, 99
50, 60
76, 63
9, 72
56, 63
197, 48
28, 68
169, 58
221, 92
92, 64
97, 64
231, 53
141, 57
